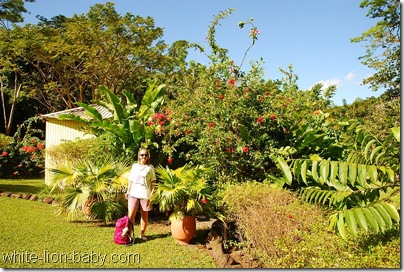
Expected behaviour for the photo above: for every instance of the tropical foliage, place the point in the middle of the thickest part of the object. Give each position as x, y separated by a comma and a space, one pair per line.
364, 190
92, 190
184, 192
221, 115
128, 128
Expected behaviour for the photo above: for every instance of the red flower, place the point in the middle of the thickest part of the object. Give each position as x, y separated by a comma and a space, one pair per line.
232, 81
245, 149
273, 117
204, 201
267, 93
246, 90
259, 120
170, 160
159, 116
221, 96
29, 149
290, 216
284, 130
211, 124
4, 153
40, 146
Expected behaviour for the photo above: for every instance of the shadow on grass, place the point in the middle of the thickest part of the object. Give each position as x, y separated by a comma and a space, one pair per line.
15, 188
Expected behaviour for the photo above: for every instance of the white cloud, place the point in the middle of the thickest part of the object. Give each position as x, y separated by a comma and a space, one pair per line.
350, 77
328, 82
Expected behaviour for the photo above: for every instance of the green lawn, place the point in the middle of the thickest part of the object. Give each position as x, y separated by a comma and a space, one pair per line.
32, 236
32, 186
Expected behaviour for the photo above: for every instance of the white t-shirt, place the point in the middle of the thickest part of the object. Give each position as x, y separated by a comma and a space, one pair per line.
141, 177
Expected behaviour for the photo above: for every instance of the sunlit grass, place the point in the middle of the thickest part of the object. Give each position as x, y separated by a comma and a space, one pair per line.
32, 236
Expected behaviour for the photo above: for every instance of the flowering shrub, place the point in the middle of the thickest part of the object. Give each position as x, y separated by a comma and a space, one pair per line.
24, 156
232, 121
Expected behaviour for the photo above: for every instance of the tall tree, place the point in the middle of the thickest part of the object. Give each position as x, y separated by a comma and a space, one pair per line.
11, 11
73, 56
383, 48
10, 81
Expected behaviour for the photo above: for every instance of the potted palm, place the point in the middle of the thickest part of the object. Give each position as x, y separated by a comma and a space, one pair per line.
185, 193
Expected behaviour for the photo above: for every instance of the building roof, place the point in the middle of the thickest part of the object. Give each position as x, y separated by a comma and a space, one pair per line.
81, 112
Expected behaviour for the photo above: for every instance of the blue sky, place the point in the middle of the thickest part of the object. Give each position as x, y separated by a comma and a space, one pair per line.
312, 35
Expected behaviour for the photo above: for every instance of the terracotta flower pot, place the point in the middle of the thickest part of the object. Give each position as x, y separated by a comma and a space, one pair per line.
183, 230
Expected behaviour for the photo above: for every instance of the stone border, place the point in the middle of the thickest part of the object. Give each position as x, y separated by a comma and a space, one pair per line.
28, 196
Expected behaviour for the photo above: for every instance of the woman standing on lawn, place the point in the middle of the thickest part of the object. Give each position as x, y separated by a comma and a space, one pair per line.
142, 180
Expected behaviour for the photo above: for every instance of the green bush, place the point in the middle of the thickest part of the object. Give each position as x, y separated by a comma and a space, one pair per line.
93, 149
5, 140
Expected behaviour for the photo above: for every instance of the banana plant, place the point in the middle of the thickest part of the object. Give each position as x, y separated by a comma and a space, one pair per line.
364, 190
127, 126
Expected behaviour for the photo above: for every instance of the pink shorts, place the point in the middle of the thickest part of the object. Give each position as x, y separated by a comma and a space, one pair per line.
133, 203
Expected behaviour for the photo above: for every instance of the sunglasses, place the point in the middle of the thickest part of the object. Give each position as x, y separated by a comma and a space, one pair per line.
143, 155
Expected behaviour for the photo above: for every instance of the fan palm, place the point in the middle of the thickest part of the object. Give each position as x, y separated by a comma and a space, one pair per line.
183, 191
91, 189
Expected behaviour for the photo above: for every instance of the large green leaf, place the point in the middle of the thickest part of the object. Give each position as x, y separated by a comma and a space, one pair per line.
396, 133
371, 219
343, 173
379, 218
314, 170
303, 171
352, 168
283, 166
333, 171
324, 170
367, 148
351, 222
392, 211
384, 214
341, 226
376, 152
135, 128
360, 218
90, 111
116, 104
